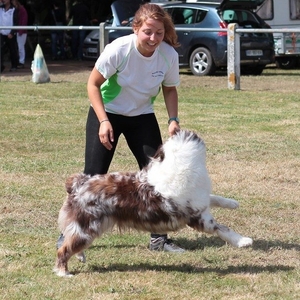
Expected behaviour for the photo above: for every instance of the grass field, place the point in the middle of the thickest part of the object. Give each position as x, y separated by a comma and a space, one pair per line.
253, 155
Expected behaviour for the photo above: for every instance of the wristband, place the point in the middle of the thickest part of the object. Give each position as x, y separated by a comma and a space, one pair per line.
176, 119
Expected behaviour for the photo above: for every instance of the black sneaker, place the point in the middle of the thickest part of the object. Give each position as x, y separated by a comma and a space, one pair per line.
20, 66
163, 244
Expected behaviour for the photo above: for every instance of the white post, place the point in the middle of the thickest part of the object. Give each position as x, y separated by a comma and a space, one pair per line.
103, 37
233, 57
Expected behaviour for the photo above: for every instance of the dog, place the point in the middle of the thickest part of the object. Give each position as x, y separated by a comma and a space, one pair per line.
172, 191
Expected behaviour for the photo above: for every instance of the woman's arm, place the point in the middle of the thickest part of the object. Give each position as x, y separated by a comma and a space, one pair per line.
95, 81
171, 101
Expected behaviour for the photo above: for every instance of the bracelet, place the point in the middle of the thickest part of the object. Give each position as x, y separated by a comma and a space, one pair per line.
176, 119
105, 120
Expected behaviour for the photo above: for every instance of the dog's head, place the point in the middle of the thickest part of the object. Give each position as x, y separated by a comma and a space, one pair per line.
183, 145
180, 161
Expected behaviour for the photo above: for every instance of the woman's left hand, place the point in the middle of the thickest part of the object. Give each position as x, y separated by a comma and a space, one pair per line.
173, 128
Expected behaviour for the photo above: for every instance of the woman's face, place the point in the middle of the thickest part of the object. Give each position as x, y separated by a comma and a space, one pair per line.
149, 36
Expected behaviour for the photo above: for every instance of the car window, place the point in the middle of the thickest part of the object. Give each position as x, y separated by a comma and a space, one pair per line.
246, 16
239, 16
200, 15
178, 16
186, 15
229, 16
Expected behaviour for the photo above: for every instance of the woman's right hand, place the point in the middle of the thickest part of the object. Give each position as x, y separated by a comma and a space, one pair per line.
106, 134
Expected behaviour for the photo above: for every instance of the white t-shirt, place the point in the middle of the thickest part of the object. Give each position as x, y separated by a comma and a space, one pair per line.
133, 80
6, 19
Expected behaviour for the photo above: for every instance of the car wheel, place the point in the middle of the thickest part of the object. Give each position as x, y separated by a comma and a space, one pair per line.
286, 62
201, 62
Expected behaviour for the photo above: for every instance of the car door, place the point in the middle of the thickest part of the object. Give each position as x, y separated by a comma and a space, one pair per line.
183, 18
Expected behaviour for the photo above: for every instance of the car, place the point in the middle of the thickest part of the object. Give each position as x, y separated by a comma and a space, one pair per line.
204, 52
122, 11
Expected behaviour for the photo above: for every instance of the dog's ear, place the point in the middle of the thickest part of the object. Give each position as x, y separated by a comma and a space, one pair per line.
75, 181
69, 183
160, 154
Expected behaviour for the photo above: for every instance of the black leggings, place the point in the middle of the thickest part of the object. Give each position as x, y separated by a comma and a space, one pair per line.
12, 46
141, 133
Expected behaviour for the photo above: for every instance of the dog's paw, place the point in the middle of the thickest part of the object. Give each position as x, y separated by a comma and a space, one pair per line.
244, 242
232, 204
62, 273
81, 257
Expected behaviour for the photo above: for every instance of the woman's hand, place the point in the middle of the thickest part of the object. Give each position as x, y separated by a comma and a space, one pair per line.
173, 128
106, 134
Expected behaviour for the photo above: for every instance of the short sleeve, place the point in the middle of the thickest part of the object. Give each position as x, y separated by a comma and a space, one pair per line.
172, 75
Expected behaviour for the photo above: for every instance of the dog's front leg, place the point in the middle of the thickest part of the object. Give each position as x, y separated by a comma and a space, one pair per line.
232, 237
209, 225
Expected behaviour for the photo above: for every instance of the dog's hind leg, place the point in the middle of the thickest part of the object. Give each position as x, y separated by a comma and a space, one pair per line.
206, 223
219, 201
72, 245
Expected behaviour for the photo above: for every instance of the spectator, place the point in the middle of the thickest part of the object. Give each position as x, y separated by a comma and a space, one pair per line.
21, 33
79, 15
57, 36
8, 17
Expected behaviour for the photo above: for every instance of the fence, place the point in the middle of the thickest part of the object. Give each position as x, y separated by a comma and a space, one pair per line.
233, 42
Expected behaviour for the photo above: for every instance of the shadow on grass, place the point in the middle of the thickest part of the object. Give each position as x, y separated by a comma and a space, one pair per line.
212, 242
271, 245
187, 268
216, 242
187, 72
199, 244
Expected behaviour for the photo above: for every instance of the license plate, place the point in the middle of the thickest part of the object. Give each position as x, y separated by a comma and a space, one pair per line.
254, 52
92, 50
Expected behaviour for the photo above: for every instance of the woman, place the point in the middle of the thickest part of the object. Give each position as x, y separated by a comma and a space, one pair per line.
122, 87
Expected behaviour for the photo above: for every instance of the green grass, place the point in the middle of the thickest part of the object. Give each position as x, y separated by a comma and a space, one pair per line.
253, 155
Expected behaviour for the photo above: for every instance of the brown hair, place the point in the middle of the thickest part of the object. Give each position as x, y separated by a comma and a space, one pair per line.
155, 12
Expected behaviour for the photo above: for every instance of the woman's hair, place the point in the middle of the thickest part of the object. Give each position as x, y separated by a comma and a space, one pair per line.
155, 12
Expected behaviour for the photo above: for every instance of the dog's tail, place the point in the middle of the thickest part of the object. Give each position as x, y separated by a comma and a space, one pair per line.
75, 181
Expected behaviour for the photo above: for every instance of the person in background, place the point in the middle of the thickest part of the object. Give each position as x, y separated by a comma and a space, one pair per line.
122, 88
79, 15
57, 36
8, 17
21, 33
